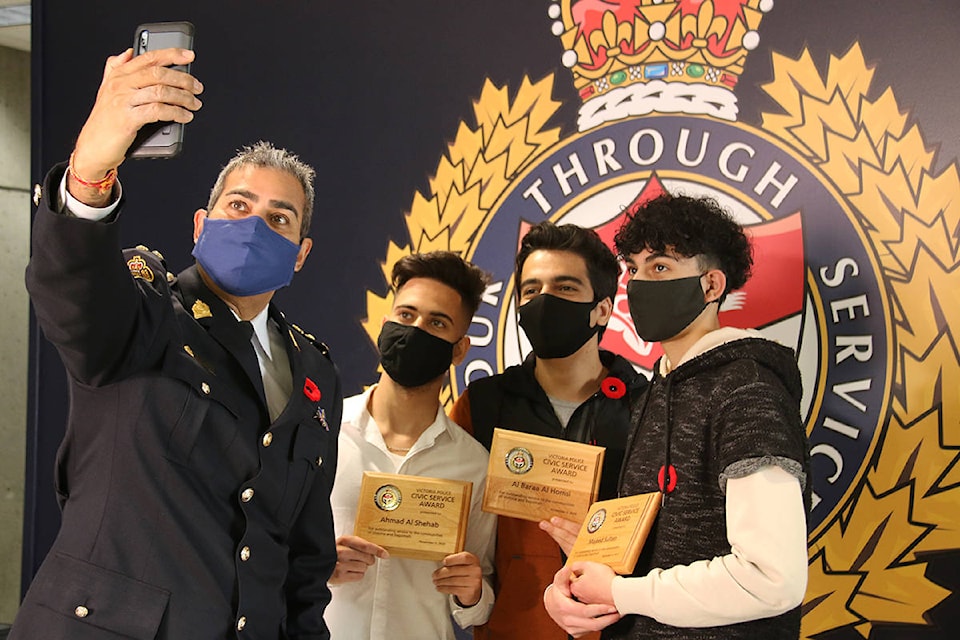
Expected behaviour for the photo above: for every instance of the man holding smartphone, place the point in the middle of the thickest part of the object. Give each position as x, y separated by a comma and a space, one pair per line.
201, 447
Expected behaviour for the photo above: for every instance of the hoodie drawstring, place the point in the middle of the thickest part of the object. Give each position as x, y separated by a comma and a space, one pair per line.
667, 476
633, 433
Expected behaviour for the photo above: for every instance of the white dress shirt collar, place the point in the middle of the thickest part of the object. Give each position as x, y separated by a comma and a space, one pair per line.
370, 432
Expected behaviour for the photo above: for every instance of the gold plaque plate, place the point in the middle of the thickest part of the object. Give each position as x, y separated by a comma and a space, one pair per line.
413, 516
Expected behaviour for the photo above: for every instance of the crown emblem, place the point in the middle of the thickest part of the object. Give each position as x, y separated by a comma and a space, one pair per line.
634, 57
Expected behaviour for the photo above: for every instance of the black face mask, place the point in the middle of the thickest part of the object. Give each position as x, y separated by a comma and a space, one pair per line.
556, 327
411, 356
662, 309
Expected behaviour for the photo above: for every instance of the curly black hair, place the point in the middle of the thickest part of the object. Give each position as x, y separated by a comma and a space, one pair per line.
690, 227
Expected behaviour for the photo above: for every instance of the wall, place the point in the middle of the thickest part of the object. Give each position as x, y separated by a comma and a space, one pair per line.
14, 249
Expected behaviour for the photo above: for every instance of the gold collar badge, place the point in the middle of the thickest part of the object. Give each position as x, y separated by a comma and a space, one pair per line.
201, 309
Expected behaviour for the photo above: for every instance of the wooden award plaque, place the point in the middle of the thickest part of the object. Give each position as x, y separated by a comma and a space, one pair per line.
413, 516
533, 477
614, 531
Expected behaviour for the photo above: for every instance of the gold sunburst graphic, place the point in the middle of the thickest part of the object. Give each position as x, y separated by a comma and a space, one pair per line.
479, 165
867, 567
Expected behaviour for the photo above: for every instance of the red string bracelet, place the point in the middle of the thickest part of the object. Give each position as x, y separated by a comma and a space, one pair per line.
103, 185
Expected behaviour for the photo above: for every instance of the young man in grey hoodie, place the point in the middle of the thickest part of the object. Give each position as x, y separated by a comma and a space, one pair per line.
719, 434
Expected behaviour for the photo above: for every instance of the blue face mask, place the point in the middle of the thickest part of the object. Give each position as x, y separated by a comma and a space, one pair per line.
245, 257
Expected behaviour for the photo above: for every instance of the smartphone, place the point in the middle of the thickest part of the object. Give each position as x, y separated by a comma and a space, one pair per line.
160, 139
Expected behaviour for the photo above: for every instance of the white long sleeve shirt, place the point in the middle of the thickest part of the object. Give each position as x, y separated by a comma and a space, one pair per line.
765, 573
396, 597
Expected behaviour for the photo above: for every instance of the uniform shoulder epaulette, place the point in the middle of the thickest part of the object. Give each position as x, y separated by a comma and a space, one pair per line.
147, 265
321, 346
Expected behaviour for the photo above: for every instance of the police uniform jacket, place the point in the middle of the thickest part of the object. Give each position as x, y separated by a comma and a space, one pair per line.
186, 513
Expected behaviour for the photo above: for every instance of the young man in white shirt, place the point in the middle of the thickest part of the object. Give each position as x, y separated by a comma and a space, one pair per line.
399, 426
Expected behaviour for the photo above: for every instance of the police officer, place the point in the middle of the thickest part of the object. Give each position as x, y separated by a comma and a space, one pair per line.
196, 469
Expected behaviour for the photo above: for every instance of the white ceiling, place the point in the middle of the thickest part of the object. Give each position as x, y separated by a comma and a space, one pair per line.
15, 24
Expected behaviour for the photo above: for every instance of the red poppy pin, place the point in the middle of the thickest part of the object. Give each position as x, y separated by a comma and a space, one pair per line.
613, 387
669, 483
311, 390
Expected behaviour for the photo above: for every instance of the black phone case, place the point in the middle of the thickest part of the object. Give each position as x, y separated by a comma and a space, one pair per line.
160, 139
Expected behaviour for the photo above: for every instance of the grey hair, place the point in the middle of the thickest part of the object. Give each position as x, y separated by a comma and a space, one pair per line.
264, 154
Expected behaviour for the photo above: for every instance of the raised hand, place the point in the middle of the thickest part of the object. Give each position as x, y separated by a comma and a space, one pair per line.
134, 91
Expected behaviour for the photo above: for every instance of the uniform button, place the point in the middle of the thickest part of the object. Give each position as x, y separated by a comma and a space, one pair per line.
205, 388
319, 461
245, 554
81, 611
267, 439
247, 495
241, 623
170, 277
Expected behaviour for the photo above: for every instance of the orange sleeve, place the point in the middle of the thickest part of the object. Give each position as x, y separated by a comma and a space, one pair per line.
460, 412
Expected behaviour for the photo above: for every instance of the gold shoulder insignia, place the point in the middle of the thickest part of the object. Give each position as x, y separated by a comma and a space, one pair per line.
37, 194
308, 336
139, 269
324, 349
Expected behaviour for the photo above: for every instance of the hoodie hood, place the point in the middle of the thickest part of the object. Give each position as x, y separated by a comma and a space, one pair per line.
721, 353
727, 345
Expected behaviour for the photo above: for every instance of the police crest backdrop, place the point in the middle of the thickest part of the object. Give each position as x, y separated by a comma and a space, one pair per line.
827, 127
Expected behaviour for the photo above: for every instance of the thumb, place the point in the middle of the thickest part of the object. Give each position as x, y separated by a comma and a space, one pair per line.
561, 581
456, 559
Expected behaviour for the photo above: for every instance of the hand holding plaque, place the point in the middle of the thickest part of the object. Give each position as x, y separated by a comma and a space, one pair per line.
533, 477
413, 516
614, 531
